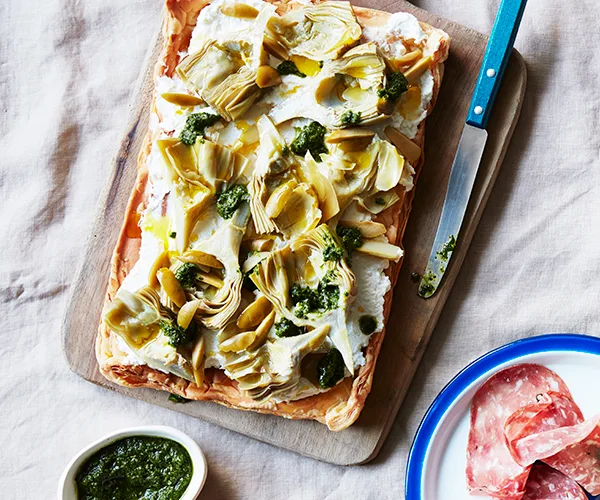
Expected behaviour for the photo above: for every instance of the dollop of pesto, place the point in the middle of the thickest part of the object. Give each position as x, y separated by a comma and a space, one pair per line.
136, 467
350, 118
310, 138
330, 369
195, 124
290, 68
332, 251
286, 328
367, 324
325, 297
228, 201
177, 335
186, 274
395, 86
351, 238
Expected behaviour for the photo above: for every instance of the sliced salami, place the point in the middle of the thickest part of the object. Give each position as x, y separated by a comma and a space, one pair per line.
554, 410
581, 461
545, 444
491, 469
546, 483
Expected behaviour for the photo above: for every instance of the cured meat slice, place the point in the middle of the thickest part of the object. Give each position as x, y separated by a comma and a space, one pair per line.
491, 469
546, 483
553, 410
545, 444
573, 450
581, 462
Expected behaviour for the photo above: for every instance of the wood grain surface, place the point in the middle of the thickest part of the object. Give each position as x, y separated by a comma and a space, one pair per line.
412, 319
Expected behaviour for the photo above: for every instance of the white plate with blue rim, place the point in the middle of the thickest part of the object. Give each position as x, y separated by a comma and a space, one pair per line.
437, 459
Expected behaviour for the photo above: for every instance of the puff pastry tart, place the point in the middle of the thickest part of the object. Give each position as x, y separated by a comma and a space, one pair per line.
262, 241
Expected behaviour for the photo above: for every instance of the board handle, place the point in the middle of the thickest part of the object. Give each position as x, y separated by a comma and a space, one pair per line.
494, 63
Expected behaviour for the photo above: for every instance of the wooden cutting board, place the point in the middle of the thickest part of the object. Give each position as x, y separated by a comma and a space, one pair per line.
412, 319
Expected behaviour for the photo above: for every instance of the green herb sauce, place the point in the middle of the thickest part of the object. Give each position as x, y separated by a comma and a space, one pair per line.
310, 138
447, 249
186, 274
134, 468
176, 398
289, 68
195, 125
427, 286
330, 369
367, 324
228, 201
395, 86
286, 328
315, 300
177, 336
332, 251
351, 118
351, 238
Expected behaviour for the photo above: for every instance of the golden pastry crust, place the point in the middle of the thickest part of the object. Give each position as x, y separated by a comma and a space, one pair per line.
339, 407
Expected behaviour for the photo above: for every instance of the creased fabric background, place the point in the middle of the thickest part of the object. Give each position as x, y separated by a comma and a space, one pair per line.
67, 70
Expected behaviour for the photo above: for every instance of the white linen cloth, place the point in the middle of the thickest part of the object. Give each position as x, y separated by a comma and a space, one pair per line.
67, 71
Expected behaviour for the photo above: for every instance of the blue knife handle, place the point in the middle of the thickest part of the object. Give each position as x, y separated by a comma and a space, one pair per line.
496, 57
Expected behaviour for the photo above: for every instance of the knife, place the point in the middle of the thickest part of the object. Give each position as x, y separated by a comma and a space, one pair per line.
472, 143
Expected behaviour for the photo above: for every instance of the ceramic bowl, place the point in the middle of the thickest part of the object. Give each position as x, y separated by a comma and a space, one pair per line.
66, 485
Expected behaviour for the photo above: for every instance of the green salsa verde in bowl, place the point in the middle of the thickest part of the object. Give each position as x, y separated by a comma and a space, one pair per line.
154, 462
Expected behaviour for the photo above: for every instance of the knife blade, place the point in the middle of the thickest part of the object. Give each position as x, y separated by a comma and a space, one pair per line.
472, 144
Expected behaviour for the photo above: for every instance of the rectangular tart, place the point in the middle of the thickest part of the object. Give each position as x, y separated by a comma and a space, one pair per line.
263, 238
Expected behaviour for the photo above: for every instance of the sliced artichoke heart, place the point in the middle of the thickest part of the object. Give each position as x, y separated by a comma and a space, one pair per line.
301, 212
224, 245
269, 160
378, 202
136, 318
328, 201
353, 173
133, 318
208, 67
319, 32
390, 165
270, 277
381, 249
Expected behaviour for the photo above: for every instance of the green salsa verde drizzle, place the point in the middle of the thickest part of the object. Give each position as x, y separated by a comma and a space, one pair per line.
135, 468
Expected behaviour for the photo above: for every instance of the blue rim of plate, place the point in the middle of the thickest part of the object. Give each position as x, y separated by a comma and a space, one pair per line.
468, 375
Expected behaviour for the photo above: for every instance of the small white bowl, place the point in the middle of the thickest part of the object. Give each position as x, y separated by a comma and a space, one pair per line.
66, 485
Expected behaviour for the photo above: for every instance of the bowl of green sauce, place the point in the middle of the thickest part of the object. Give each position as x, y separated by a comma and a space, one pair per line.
141, 462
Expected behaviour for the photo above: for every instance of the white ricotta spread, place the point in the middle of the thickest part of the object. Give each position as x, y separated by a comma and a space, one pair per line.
409, 125
212, 24
371, 286
388, 37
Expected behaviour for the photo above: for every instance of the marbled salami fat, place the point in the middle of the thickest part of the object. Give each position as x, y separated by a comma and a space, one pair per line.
554, 410
581, 461
546, 483
546, 444
491, 468
573, 450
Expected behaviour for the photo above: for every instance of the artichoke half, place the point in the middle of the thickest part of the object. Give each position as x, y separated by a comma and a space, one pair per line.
224, 245
354, 79
270, 161
225, 74
136, 318
318, 32
195, 173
